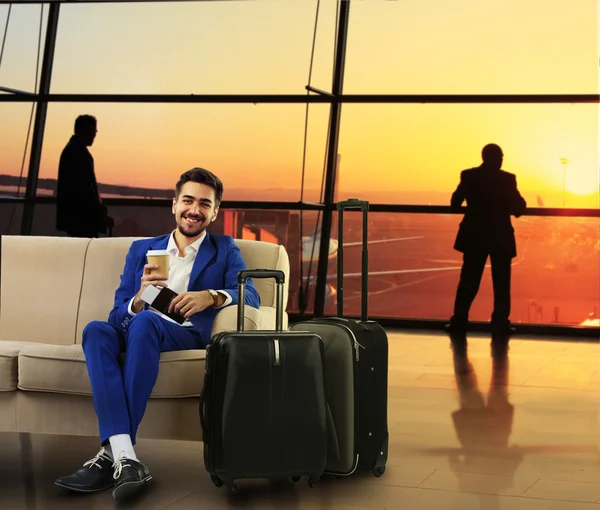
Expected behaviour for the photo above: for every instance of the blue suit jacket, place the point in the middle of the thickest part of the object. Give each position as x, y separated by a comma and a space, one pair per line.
217, 264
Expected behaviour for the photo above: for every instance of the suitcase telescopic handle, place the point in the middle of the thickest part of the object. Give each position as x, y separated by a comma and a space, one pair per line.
261, 273
363, 205
353, 203
243, 276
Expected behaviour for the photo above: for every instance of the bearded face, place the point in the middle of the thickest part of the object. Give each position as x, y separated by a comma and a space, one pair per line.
194, 208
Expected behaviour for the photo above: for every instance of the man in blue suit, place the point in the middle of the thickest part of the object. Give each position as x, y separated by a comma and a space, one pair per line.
203, 271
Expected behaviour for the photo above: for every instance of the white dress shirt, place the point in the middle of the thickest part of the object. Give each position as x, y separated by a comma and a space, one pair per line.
180, 269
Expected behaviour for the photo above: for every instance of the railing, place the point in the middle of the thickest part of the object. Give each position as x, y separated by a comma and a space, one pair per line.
315, 206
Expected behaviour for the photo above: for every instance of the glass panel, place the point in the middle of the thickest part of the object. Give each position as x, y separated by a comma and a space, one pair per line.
414, 271
18, 63
10, 218
413, 154
272, 226
193, 47
14, 147
255, 149
473, 47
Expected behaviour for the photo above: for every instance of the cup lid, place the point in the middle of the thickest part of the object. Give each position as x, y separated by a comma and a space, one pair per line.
155, 253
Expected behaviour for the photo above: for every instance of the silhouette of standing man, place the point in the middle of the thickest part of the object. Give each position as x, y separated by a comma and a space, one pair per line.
486, 229
79, 209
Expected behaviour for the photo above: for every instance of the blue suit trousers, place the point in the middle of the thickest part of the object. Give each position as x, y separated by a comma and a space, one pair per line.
121, 389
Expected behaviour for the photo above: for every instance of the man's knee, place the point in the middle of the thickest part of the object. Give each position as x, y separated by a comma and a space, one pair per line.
146, 322
95, 331
145, 319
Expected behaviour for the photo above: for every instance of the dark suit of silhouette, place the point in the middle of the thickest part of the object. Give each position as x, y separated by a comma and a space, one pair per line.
486, 230
79, 209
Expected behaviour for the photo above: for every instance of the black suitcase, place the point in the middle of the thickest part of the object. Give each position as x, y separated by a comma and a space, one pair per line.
356, 385
263, 408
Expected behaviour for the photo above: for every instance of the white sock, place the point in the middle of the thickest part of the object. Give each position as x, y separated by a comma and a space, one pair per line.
121, 445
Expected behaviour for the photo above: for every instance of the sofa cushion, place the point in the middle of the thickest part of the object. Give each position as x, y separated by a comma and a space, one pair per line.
41, 284
104, 263
62, 369
9, 354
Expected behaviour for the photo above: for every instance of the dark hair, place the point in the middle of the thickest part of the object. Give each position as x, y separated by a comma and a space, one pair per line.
491, 152
201, 176
85, 123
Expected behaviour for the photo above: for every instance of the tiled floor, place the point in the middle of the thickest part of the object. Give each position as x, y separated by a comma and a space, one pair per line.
456, 442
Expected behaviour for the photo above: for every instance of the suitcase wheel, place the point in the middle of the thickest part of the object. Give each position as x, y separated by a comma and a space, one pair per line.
379, 471
295, 478
312, 482
216, 480
233, 488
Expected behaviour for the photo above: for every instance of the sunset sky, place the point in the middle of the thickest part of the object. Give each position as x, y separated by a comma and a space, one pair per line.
403, 47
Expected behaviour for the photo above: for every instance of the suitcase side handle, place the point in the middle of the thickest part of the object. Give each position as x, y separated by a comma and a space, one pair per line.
243, 276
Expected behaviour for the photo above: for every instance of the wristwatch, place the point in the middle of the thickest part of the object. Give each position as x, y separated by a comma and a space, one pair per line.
215, 296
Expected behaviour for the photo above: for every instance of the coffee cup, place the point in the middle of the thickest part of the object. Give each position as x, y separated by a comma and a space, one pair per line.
162, 259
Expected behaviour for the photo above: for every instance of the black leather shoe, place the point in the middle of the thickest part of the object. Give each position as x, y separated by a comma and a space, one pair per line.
455, 329
95, 475
130, 475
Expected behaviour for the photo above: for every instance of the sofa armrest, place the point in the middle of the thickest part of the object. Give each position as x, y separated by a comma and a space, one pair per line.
267, 318
226, 319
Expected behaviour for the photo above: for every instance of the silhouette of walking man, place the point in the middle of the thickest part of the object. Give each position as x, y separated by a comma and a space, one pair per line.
79, 209
486, 230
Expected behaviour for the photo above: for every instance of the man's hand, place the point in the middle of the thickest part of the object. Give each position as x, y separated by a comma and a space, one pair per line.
189, 303
157, 280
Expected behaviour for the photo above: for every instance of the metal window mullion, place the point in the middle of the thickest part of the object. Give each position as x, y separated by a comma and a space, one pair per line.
40, 119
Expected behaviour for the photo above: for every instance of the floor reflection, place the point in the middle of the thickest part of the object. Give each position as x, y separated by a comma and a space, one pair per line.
483, 425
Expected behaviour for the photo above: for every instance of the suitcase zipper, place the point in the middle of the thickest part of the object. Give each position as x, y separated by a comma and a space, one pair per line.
356, 348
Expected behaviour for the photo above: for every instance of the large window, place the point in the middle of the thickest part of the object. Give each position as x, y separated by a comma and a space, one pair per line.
473, 47
414, 271
413, 154
20, 42
193, 47
14, 147
255, 149
188, 64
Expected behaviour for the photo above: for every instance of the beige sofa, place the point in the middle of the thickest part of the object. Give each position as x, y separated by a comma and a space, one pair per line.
51, 287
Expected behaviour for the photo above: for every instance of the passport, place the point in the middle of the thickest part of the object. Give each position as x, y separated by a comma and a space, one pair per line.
160, 298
